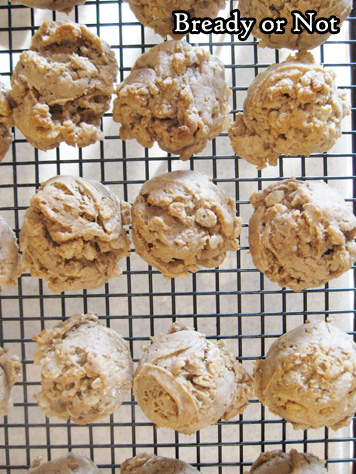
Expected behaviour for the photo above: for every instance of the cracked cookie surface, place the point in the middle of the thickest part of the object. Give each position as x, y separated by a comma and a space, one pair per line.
62, 86
73, 233
309, 377
276, 461
176, 95
10, 373
293, 108
157, 14
181, 220
302, 234
150, 464
10, 260
68, 464
86, 371
6, 119
281, 9
186, 382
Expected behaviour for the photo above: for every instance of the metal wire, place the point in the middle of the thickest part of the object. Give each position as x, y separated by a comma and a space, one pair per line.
234, 302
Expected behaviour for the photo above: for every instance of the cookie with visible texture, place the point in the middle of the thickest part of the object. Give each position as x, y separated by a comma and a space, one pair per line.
73, 233
10, 373
283, 9
6, 119
64, 6
293, 108
187, 382
302, 234
150, 464
157, 14
272, 462
309, 377
176, 95
10, 260
62, 86
68, 464
86, 372
181, 220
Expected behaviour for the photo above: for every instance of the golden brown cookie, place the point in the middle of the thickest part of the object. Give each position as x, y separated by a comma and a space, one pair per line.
273, 462
177, 96
181, 220
293, 108
86, 369
73, 233
6, 119
150, 464
62, 86
10, 260
187, 382
10, 373
302, 234
309, 377
157, 14
64, 6
71, 463
283, 9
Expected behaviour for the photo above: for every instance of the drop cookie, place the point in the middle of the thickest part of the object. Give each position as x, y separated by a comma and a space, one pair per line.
86, 371
176, 95
73, 233
302, 233
62, 86
181, 221
187, 382
291, 108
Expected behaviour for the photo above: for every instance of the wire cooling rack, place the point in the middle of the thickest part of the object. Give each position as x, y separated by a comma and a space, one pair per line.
233, 302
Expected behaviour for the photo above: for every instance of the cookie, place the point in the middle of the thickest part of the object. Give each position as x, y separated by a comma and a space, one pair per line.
309, 377
272, 462
10, 373
293, 108
157, 14
283, 9
302, 234
150, 464
6, 119
86, 371
65, 6
68, 464
62, 86
10, 260
181, 221
73, 233
187, 382
176, 95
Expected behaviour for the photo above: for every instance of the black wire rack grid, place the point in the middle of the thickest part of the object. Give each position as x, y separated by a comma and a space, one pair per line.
233, 302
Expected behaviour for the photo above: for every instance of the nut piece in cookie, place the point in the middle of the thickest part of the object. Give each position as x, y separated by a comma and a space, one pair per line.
150, 464
187, 382
272, 462
181, 220
283, 9
73, 233
157, 14
64, 6
70, 463
86, 372
302, 234
10, 260
309, 377
6, 119
293, 108
10, 373
176, 95
62, 86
